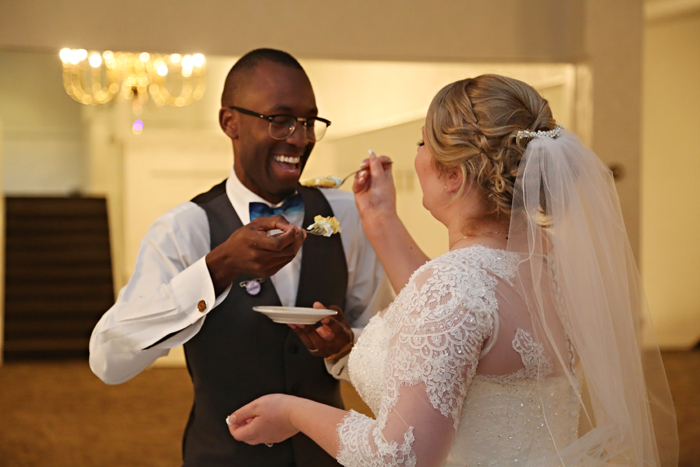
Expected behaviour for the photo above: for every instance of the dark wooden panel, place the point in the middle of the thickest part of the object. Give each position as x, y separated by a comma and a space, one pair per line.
58, 275
22, 206
61, 257
22, 273
54, 241
46, 344
37, 307
28, 226
19, 293
52, 328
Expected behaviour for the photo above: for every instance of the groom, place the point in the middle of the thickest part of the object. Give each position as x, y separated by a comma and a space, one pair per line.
206, 263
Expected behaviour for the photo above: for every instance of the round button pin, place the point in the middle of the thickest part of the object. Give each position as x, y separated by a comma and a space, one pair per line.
253, 287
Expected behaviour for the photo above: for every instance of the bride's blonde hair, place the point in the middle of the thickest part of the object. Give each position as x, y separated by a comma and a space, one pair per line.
472, 124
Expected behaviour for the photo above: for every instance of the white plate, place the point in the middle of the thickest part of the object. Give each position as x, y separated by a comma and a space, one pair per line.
294, 315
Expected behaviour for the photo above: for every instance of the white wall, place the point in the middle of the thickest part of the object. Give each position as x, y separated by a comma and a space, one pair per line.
42, 126
613, 37
670, 168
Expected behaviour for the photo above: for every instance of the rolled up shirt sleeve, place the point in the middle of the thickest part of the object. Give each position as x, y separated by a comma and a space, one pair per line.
165, 302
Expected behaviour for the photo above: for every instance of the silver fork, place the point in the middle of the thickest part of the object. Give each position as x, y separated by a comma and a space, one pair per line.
277, 232
385, 164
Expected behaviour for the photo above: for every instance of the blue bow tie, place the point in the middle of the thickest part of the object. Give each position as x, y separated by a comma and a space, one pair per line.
293, 205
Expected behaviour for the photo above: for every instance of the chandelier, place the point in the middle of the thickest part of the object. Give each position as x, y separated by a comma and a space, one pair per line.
94, 78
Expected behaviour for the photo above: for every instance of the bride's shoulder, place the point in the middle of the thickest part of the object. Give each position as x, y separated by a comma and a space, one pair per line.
472, 259
455, 286
464, 271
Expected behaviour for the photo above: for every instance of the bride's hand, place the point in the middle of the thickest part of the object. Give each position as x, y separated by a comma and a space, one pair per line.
265, 420
375, 193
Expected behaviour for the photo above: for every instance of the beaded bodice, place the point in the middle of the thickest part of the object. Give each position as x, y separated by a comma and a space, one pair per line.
415, 366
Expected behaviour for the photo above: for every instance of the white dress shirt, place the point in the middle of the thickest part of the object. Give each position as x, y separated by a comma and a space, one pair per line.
286, 280
171, 283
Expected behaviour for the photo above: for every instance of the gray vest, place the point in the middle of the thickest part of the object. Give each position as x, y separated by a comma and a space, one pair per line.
240, 355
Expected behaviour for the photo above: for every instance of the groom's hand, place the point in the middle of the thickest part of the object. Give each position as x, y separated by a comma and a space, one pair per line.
333, 339
250, 250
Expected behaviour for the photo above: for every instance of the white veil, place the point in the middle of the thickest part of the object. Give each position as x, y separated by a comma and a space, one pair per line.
579, 272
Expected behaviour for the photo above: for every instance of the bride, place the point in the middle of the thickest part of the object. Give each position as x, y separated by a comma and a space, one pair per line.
521, 346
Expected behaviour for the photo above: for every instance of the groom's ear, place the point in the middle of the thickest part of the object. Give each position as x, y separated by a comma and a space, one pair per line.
228, 123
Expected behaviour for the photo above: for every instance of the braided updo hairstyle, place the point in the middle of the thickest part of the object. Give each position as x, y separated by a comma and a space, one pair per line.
472, 124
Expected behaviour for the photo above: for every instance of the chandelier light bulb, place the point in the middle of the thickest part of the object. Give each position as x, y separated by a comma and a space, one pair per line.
74, 57
144, 56
65, 55
187, 66
175, 58
198, 59
95, 60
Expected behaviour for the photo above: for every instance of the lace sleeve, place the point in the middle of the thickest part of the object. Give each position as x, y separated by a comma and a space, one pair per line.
437, 325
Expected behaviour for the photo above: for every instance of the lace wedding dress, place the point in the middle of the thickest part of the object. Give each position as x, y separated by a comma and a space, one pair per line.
454, 376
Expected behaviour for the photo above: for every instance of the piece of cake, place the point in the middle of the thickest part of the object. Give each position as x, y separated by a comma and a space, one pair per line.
323, 182
325, 226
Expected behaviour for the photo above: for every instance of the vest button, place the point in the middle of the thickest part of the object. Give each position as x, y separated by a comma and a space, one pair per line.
295, 389
293, 349
202, 306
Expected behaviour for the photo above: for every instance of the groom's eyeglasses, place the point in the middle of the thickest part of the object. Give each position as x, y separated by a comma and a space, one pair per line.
282, 126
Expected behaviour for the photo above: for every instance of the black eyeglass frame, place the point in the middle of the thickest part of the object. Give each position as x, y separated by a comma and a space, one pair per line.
296, 119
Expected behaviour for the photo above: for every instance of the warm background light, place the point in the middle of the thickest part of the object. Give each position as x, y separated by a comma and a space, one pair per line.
95, 60
166, 79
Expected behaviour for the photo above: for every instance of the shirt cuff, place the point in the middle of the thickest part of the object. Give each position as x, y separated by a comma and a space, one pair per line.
339, 369
193, 292
356, 332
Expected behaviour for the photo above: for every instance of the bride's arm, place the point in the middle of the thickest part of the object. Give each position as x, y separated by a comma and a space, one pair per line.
375, 196
276, 417
414, 431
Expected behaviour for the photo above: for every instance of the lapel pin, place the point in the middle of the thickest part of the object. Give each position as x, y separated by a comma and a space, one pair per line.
253, 286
